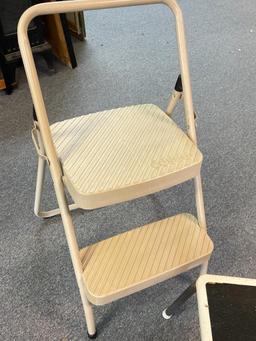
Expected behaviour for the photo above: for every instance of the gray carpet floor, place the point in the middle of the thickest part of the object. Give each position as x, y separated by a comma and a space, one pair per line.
129, 57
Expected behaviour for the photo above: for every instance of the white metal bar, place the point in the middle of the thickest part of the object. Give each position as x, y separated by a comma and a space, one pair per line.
54, 212
175, 97
40, 169
39, 186
200, 202
204, 268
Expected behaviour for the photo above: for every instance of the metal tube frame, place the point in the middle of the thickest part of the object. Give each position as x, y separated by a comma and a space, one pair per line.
43, 123
175, 97
42, 160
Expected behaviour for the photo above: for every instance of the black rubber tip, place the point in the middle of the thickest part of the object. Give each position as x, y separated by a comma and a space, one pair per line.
34, 114
178, 86
93, 336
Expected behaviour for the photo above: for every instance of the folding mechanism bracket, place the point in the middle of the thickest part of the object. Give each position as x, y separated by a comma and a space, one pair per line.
36, 137
34, 134
176, 96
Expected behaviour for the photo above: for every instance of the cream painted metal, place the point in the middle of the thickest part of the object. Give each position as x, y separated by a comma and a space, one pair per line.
157, 154
152, 253
114, 156
42, 160
174, 99
202, 300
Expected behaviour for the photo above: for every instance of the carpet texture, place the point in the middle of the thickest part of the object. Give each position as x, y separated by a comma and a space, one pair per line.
130, 57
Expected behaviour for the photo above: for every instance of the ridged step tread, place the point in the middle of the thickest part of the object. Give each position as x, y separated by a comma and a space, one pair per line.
121, 154
136, 259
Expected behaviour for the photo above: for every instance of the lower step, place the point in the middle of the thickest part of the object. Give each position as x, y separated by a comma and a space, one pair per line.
139, 258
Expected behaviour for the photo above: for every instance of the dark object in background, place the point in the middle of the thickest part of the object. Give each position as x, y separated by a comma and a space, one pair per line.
10, 12
232, 310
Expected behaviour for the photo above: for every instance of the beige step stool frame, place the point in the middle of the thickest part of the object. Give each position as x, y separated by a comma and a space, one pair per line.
44, 142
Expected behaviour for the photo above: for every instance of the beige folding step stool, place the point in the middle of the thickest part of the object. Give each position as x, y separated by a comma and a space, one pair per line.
117, 155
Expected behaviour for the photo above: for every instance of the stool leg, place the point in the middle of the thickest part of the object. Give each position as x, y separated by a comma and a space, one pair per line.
204, 268
175, 306
39, 185
64, 210
75, 255
190, 291
200, 202
89, 317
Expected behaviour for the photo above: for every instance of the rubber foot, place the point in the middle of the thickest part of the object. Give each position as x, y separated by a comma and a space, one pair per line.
165, 316
92, 336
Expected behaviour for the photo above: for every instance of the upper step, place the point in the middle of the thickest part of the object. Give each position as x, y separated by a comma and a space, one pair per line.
121, 154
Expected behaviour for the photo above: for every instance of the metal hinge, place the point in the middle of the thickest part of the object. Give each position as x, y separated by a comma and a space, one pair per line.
34, 133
